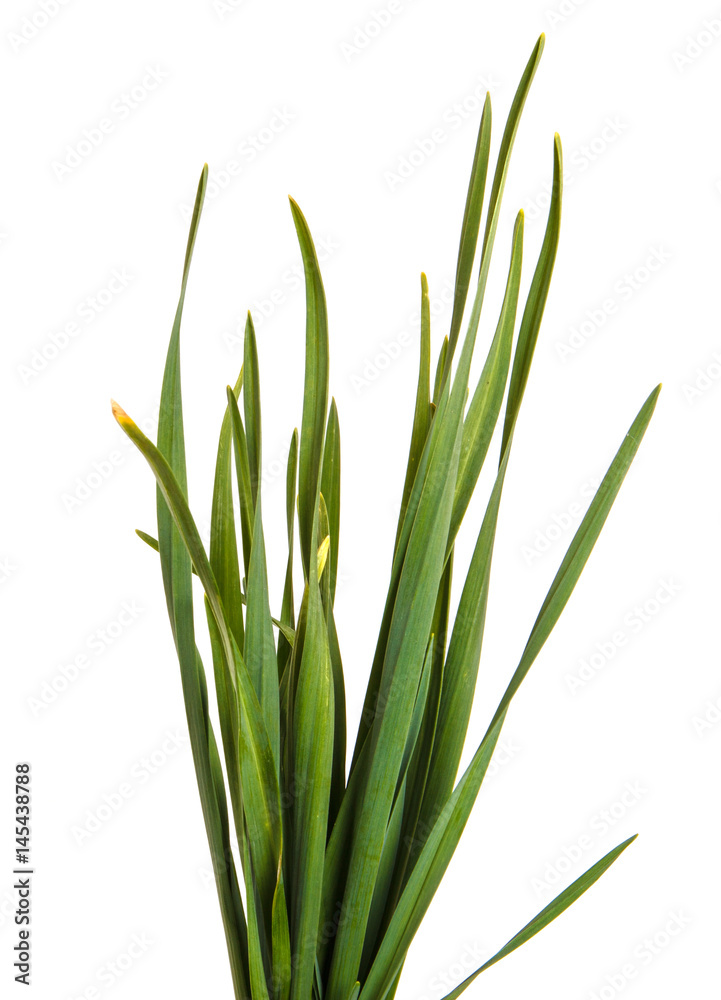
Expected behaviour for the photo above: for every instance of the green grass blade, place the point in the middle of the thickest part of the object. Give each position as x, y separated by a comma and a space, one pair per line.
231, 904
336, 858
286, 631
177, 581
384, 880
224, 563
486, 403
330, 488
339, 726
536, 301
223, 544
461, 670
287, 612
258, 775
580, 548
229, 719
420, 763
251, 404
554, 909
315, 395
419, 710
440, 368
243, 476
259, 649
422, 414
435, 466
504, 157
434, 857
404, 655
171, 441
258, 954
499, 181
312, 766
471, 224
281, 954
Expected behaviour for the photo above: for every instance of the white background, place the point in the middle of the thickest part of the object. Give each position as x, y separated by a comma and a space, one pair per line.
355, 100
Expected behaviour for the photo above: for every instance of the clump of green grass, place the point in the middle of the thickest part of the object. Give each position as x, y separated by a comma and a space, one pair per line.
338, 869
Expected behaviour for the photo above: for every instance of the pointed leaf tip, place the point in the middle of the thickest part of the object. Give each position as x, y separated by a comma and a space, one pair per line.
119, 413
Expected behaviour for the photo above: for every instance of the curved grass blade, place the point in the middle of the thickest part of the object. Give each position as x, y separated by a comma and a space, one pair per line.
258, 956
330, 488
536, 300
461, 669
251, 405
243, 476
580, 548
554, 909
434, 857
384, 880
223, 544
315, 394
224, 563
257, 769
403, 660
312, 767
486, 403
453, 816
287, 611
440, 368
499, 180
325, 553
177, 582
437, 464
422, 415
471, 223
231, 905
281, 954
286, 631
259, 649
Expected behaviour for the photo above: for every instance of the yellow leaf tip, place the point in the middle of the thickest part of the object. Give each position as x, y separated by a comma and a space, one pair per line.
119, 413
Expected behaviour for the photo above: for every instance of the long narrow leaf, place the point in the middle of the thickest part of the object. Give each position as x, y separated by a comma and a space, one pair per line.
554, 909
315, 394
